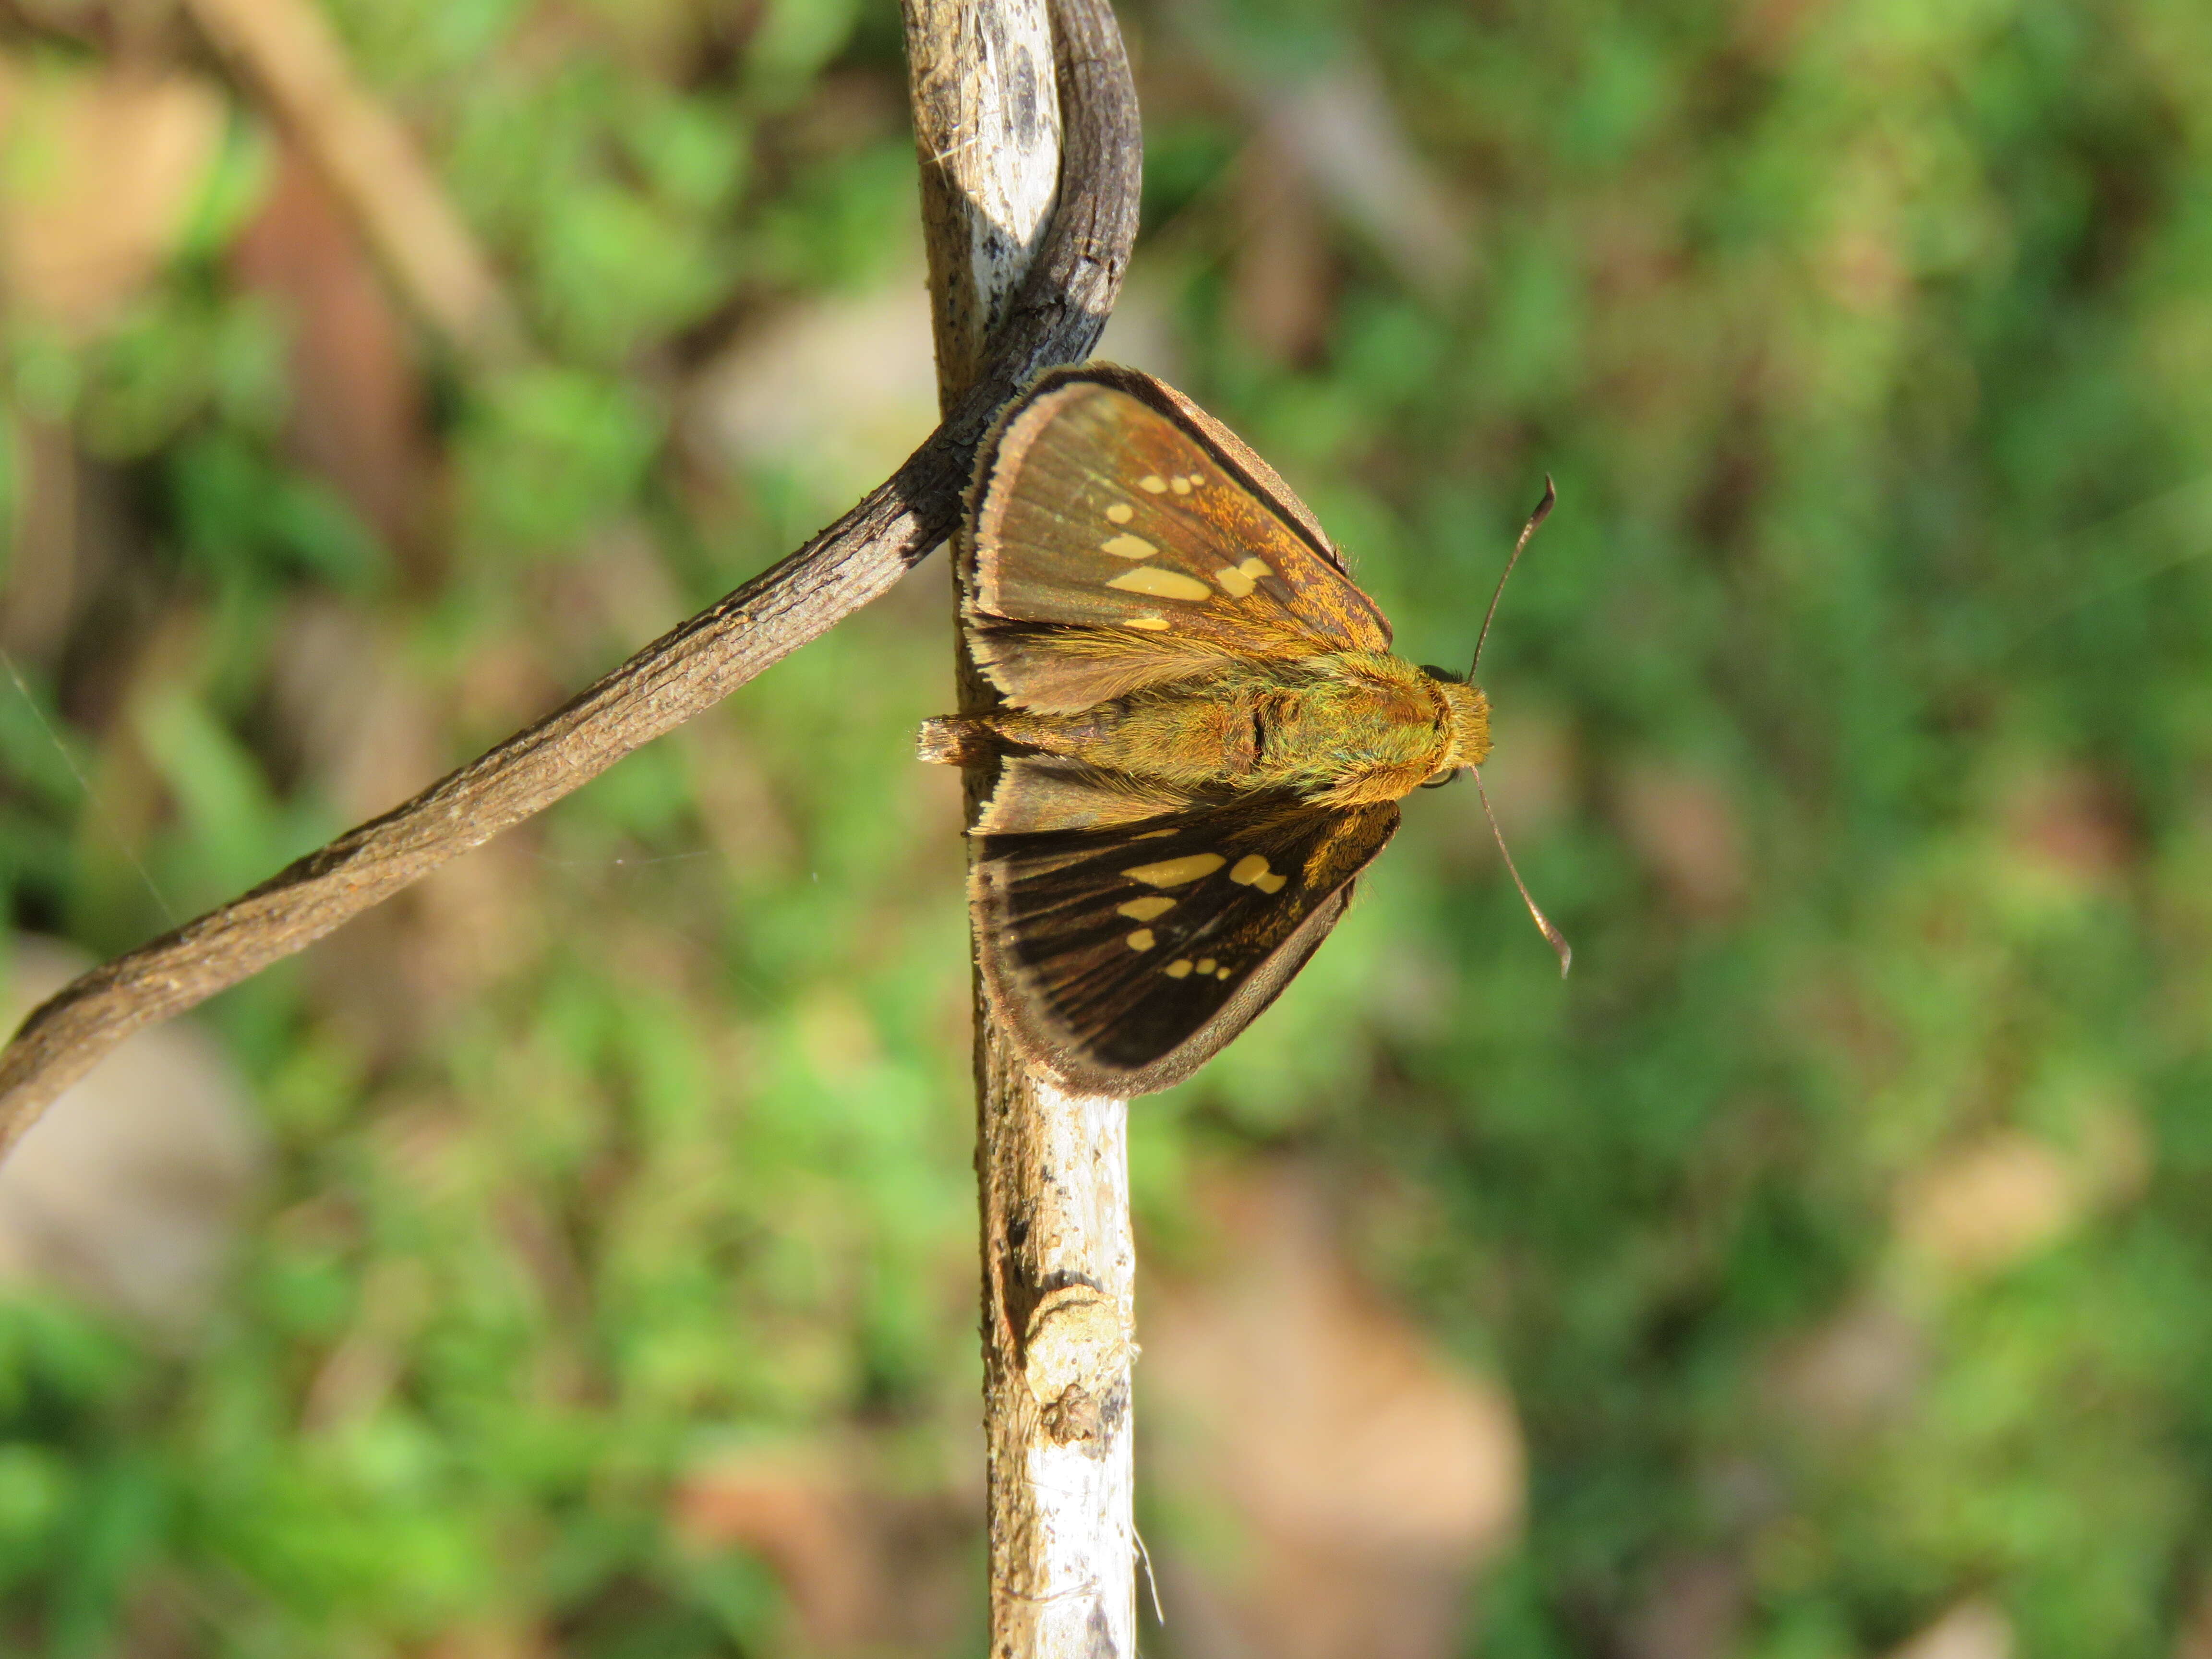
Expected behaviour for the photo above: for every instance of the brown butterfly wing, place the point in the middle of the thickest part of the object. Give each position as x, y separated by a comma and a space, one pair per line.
1120, 537
1124, 959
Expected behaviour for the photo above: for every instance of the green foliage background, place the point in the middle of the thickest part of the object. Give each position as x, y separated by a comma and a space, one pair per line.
1863, 693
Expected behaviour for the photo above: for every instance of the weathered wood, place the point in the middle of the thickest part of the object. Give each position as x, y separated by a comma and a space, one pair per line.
1059, 1269
1055, 316
1052, 1168
987, 138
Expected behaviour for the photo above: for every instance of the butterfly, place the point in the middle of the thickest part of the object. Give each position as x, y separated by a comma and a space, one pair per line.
1203, 733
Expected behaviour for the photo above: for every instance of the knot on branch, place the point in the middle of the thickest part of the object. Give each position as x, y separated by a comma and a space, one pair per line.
1076, 1354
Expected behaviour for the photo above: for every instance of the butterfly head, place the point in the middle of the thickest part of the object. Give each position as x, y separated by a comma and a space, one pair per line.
1465, 723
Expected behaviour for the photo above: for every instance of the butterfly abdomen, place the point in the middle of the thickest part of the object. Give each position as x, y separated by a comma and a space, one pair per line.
953, 740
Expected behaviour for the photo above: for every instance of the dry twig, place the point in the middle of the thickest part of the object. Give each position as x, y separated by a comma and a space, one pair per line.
1058, 1258
1055, 318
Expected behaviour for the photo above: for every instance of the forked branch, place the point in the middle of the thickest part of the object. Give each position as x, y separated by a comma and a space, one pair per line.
1056, 318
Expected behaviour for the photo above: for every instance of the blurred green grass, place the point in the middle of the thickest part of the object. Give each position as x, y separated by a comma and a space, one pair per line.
1865, 721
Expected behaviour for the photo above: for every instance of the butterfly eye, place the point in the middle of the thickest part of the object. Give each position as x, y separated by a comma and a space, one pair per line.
1441, 778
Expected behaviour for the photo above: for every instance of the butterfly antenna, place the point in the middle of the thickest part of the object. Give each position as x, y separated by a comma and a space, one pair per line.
1543, 511
1552, 936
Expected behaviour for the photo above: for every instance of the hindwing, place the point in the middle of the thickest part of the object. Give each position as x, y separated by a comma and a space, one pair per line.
1124, 958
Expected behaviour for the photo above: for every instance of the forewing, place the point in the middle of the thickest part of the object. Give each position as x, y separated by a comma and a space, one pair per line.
1123, 959
1120, 537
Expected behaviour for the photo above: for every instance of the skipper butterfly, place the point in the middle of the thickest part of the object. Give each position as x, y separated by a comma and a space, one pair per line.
1204, 734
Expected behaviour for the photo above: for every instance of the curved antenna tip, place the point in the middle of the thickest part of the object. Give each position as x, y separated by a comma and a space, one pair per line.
1543, 511
1552, 936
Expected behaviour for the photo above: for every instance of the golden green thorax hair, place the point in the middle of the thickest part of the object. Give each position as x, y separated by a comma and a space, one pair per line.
1340, 729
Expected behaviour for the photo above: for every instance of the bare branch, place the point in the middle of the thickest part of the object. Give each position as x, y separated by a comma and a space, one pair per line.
1058, 1256
1056, 317
987, 137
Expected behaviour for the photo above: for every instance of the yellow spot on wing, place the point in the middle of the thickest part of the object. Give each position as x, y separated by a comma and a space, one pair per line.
1152, 481
1181, 486
1145, 909
1256, 568
1250, 869
1174, 872
1232, 581
1128, 547
1270, 883
1179, 968
1161, 584
1205, 965
1142, 939
1150, 624
1221, 973
1119, 513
